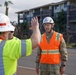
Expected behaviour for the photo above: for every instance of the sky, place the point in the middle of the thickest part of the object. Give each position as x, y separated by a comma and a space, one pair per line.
19, 5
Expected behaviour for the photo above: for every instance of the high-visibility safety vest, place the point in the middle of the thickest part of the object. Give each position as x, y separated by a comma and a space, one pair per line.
10, 52
15, 38
50, 51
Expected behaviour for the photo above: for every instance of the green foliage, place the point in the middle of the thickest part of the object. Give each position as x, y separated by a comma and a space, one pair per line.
72, 45
23, 30
24, 26
7, 3
60, 22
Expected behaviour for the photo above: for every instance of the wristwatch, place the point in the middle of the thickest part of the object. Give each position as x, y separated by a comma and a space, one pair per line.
63, 65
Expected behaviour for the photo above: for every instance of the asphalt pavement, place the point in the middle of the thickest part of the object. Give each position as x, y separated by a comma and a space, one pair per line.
26, 65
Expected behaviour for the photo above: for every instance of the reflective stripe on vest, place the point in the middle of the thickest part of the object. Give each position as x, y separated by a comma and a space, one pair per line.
14, 74
23, 49
58, 37
50, 52
2, 43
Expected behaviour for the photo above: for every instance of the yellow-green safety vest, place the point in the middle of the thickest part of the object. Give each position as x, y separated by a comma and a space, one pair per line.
10, 52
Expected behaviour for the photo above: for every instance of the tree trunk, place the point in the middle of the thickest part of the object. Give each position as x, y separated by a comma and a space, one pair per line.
6, 12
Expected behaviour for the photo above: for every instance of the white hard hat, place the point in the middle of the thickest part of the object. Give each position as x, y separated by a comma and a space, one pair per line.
5, 24
48, 20
12, 28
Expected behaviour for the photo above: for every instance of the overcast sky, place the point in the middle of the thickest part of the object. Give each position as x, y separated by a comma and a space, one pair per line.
19, 5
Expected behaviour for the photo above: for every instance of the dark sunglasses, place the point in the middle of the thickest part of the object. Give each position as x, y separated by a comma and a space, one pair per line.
11, 31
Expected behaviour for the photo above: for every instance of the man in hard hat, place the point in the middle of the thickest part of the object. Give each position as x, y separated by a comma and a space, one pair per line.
11, 34
12, 50
52, 53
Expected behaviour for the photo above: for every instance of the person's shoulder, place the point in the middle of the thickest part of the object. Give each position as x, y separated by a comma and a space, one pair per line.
14, 37
57, 32
42, 34
28, 40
